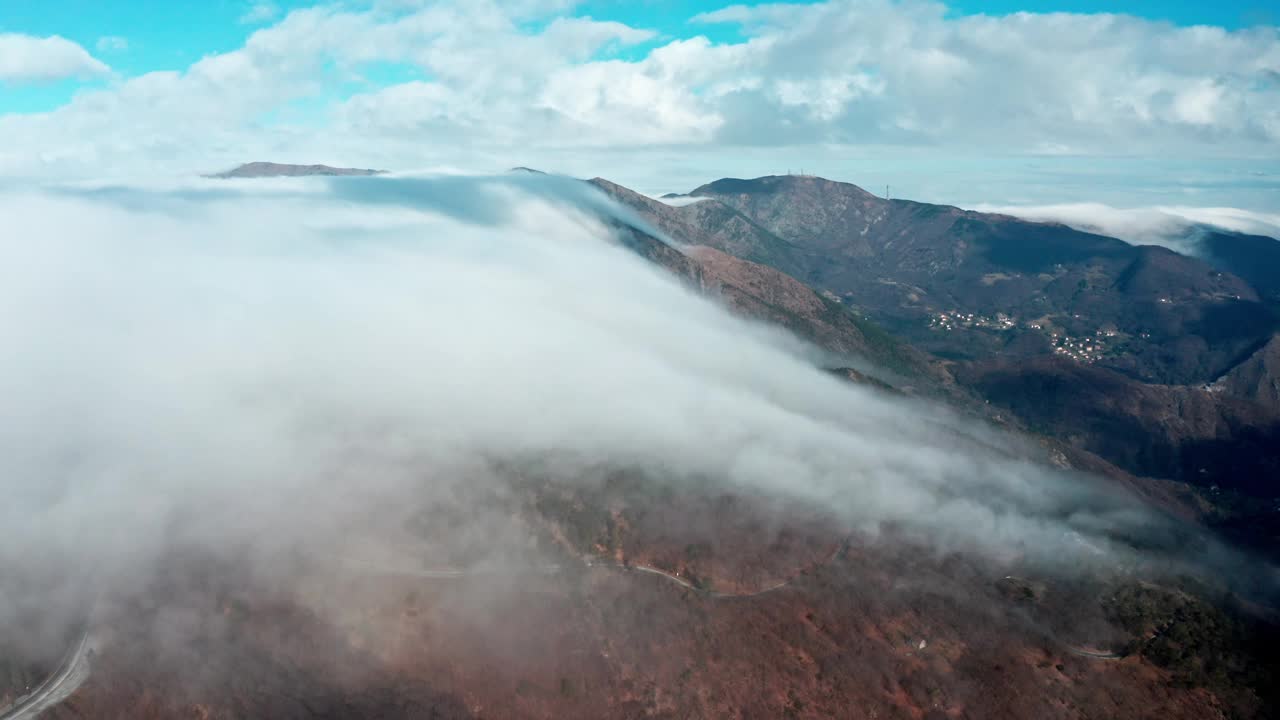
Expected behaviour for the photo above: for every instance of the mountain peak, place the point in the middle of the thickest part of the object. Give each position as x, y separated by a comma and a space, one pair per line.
779, 183
270, 169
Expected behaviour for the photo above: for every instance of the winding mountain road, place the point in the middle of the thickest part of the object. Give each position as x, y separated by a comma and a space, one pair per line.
72, 671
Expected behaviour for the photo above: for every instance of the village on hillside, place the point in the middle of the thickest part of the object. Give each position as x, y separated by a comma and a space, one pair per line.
1084, 348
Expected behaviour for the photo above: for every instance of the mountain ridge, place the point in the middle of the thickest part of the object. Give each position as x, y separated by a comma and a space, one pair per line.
259, 169
1112, 314
903, 263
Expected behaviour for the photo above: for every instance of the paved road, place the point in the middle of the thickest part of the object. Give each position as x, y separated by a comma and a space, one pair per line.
1093, 654
70, 674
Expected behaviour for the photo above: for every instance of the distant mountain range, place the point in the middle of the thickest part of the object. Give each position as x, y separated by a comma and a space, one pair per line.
1154, 369
1153, 363
270, 169
907, 263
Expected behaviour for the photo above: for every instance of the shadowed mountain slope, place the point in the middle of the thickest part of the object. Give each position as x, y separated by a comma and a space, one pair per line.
1093, 342
1174, 319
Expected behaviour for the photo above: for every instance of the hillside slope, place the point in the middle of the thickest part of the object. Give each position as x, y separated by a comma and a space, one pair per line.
1258, 377
1079, 337
1028, 286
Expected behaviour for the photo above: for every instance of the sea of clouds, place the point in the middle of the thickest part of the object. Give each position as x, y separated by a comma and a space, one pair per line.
272, 366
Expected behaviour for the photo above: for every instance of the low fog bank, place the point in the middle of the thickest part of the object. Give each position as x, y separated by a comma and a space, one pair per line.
1176, 227
259, 370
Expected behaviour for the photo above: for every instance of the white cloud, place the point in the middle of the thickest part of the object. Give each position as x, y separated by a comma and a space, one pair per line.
499, 79
112, 43
680, 200
1020, 81
260, 12
1160, 225
24, 58
1236, 219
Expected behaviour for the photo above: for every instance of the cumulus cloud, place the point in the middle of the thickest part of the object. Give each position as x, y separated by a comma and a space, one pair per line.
908, 71
300, 366
500, 77
260, 12
25, 58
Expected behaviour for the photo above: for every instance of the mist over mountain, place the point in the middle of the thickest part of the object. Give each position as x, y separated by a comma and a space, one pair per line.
470, 278
581, 360
908, 264
1151, 359
296, 406
1237, 241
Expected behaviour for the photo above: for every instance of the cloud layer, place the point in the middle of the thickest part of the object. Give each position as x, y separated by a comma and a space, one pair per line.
1053, 82
1171, 226
297, 365
533, 79
25, 59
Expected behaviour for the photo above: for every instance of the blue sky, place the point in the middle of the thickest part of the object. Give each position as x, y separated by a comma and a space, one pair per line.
161, 35
1226, 13
1139, 109
168, 35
